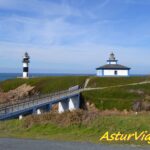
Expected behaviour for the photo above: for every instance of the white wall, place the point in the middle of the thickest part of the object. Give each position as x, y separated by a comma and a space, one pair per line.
99, 72
63, 106
38, 112
20, 117
112, 72
25, 75
70, 104
112, 62
119, 72
74, 103
25, 64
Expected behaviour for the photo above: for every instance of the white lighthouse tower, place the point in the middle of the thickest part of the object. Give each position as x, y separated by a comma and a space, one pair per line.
26, 61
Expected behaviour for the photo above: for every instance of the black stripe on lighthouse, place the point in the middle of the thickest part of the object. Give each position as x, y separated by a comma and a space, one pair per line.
25, 69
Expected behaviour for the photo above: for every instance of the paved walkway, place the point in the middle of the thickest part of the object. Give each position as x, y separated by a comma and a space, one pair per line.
23, 144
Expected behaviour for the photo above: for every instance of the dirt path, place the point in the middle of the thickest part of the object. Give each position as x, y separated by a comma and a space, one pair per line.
101, 88
86, 82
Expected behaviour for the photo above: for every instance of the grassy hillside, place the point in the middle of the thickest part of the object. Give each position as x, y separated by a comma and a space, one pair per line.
74, 127
82, 125
50, 84
118, 97
112, 81
45, 84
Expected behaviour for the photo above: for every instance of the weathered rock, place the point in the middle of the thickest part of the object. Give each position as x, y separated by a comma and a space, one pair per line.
16, 94
137, 106
141, 105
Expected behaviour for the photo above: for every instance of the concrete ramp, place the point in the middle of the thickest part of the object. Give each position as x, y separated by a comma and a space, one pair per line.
67, 100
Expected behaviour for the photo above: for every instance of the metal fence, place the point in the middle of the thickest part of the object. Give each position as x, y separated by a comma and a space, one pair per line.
34, 101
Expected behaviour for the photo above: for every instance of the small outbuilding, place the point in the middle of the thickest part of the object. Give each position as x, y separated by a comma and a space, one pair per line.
112, 68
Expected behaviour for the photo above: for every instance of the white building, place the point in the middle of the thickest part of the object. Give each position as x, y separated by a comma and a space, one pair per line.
112, 68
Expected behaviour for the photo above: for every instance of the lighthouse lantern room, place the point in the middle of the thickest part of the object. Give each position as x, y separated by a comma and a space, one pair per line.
26, 61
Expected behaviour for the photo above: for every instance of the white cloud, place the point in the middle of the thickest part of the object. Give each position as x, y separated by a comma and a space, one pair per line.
81, 58
57, 44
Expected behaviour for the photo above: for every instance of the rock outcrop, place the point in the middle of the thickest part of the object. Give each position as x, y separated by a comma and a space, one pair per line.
16, 94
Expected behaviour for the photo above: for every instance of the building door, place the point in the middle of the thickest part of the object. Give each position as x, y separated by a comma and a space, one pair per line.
116, 73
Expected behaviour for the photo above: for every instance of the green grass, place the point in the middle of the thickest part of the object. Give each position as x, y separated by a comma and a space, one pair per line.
50, 84
110, 99
112, 81
44, 84
118, 97
78, 132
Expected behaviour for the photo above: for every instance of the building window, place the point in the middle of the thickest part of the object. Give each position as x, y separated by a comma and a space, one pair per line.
115, 72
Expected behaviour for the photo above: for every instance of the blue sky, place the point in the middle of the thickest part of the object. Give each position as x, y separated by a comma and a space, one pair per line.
74, 36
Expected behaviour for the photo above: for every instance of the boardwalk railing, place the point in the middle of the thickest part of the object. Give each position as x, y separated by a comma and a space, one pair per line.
30, 102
